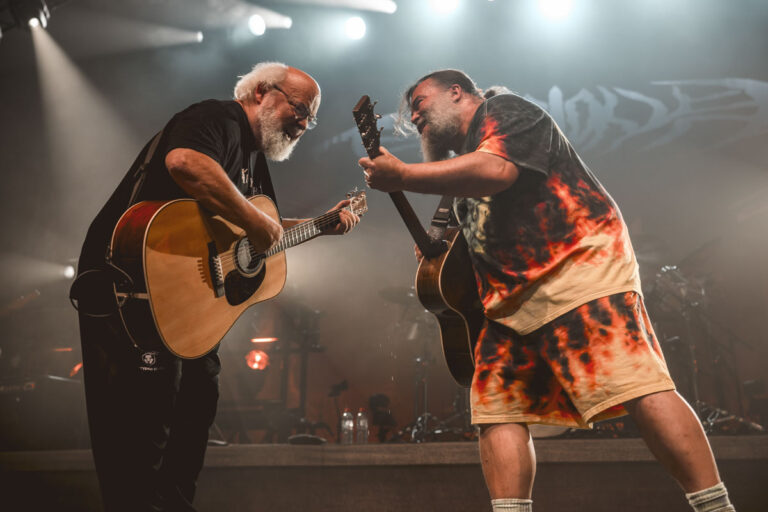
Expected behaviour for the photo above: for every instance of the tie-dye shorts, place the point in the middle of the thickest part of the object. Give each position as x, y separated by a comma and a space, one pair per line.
577, 369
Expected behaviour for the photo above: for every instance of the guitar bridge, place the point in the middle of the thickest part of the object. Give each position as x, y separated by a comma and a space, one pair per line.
216, 270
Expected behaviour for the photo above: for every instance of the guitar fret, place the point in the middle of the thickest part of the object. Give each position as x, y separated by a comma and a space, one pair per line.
302, 232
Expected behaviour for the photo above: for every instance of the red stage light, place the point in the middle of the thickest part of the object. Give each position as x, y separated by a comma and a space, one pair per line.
75, 369
257, 359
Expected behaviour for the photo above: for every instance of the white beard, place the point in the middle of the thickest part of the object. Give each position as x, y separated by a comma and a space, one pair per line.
442, 128
275, 143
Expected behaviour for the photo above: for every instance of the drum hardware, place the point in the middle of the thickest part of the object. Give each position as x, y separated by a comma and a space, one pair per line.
676, 294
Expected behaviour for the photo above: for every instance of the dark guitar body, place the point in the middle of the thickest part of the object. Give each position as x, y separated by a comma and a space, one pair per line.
447, 288
127, 253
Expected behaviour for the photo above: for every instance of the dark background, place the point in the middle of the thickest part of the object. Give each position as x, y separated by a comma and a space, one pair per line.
683, 151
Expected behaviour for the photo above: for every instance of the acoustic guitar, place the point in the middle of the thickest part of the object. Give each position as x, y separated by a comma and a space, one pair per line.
445, 279
189, 275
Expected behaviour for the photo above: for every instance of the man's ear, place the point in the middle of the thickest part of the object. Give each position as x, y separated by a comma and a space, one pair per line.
259, 92
456, 92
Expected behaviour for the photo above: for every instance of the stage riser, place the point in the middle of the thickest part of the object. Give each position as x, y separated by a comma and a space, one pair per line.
380, 478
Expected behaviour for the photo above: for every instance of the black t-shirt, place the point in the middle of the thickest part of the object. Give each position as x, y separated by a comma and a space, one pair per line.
219, 129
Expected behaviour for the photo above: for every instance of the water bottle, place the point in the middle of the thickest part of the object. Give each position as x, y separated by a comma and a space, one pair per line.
361, 427
347, 427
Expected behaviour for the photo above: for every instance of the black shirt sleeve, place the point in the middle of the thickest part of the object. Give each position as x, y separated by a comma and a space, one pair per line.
516, 130
207, 128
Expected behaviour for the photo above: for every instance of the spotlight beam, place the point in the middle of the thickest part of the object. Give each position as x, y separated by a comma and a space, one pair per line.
385, 6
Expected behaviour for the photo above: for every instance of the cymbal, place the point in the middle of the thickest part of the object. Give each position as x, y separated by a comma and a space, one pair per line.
398, 295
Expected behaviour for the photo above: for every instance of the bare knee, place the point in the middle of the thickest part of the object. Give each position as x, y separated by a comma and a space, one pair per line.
504, 431
647, 403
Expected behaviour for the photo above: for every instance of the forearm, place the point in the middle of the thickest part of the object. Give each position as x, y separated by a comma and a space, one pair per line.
475, 174
204, 180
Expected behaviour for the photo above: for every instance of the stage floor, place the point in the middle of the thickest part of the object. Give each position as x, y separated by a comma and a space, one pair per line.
573, 475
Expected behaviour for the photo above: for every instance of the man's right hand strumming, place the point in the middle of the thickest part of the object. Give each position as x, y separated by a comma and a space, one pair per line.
264, 234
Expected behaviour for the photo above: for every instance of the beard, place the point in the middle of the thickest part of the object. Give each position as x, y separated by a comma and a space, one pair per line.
442, 128
275, 143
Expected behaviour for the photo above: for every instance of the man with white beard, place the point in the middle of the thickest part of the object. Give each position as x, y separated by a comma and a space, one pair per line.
567, 340
148, 411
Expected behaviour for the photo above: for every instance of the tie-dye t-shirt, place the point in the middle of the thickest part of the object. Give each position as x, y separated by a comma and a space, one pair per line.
552, 241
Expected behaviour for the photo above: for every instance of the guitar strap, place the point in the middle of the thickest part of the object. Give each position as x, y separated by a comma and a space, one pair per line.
98, 282
261, 182
442, 219
141, 173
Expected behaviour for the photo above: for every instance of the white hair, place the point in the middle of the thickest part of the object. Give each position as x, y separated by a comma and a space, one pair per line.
267, 73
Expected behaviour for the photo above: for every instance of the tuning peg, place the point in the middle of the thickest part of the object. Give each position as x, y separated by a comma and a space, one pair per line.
378, 116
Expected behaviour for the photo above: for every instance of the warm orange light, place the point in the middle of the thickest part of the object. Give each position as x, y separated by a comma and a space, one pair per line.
257, 359
263, 340
76, 369
63, 349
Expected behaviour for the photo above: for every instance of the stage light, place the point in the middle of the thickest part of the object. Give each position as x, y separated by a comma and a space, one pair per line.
34, 13
555, 9
355, 27
199, 37
263, 340
444, 6
257, 360
75, 369
69, 271
257, 25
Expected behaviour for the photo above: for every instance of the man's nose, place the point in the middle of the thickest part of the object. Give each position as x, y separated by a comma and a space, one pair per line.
303, 123
414, 117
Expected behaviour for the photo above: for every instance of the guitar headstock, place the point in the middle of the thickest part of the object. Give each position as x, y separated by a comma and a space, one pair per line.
366, 125
358, 204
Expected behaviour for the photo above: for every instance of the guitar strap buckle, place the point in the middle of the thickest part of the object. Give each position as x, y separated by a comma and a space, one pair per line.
442, 218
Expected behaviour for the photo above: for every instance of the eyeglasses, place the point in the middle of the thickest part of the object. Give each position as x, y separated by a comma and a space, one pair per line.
300, 110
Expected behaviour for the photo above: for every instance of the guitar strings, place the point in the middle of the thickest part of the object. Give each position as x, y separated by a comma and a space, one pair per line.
293, 234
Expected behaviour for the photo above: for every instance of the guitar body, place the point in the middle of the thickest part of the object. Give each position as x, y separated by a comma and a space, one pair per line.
447, 288
187, 287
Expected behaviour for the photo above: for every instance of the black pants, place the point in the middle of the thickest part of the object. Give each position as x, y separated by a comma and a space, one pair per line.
149, 415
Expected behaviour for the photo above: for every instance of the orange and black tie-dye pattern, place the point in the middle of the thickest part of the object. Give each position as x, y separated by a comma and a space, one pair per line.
574, 370
554, 239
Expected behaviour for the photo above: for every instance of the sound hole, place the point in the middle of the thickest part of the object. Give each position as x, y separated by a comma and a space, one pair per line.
247, 263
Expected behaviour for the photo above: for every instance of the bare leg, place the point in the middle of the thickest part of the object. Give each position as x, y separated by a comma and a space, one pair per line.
508, 459
674, 435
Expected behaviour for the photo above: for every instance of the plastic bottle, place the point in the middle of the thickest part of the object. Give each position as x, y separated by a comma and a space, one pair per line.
361, 427
347, 427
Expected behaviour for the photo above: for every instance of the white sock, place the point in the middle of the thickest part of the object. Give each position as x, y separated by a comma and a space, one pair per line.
512, 505
714, 499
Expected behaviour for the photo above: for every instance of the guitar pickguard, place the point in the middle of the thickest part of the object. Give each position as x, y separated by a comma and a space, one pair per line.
238, 288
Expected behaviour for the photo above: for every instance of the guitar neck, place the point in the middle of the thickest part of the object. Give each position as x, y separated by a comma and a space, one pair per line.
365, 118
413, 223
307, 230
427, 246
